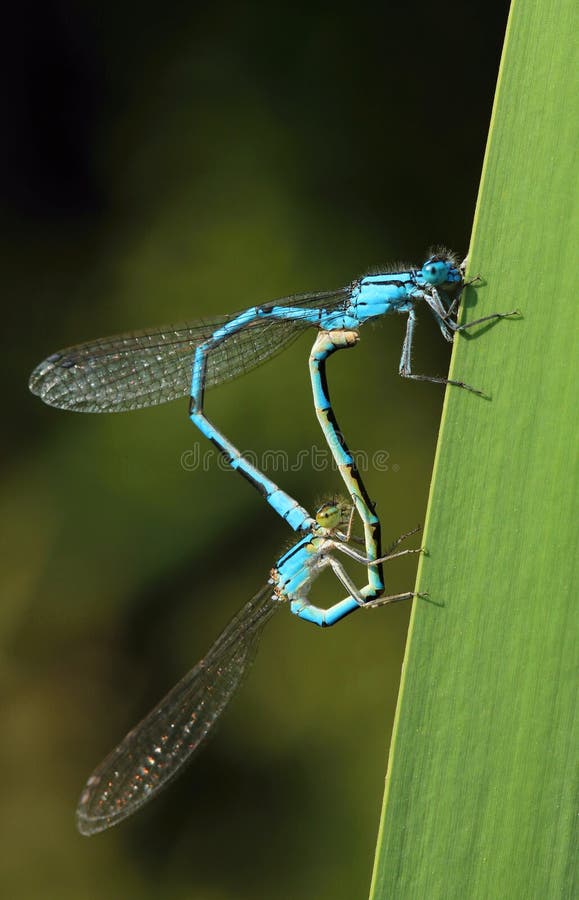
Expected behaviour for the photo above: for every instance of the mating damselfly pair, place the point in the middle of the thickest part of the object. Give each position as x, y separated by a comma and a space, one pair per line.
153, 366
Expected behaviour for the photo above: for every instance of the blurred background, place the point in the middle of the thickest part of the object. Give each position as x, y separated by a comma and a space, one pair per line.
161, 162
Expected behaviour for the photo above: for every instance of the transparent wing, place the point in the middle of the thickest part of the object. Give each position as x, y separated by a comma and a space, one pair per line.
153, 753
144, 368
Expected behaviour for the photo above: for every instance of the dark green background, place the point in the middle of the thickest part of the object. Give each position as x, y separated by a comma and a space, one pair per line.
169, 161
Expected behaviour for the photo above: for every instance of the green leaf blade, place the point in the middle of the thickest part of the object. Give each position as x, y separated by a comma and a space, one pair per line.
481, 790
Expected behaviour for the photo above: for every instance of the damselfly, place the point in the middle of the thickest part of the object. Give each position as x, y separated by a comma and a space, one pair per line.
148, 367
155, 751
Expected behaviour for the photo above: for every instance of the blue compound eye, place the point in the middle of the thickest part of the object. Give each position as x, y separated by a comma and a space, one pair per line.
435, 271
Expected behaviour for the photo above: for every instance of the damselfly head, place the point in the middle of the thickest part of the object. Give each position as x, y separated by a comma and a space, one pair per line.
332, 513
441, 270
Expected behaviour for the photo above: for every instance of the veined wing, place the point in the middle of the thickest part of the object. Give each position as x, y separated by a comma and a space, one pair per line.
153, 753
144, 368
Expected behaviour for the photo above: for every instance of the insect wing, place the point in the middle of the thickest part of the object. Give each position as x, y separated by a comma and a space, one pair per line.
153, 753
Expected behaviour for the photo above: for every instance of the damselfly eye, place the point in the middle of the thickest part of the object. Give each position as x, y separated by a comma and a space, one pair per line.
435, 271
329, 515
